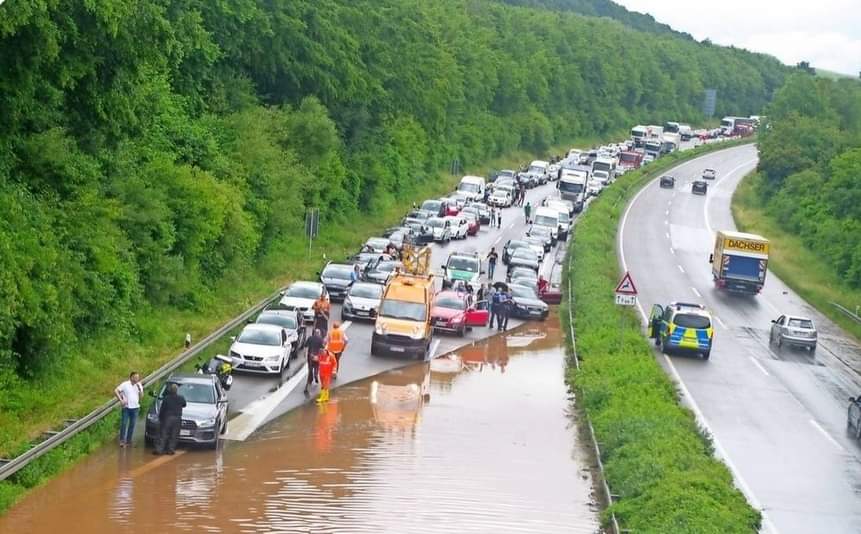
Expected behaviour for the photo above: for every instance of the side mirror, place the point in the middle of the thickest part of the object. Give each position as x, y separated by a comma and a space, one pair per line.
774, 321
232, 338
711, 258
249, 321
318, 273
851, 399
153, 395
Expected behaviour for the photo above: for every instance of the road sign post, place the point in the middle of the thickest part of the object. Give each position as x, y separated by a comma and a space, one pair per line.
626, 295
312, 225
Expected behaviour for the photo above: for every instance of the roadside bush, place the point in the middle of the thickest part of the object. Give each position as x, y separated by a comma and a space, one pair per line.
655, 458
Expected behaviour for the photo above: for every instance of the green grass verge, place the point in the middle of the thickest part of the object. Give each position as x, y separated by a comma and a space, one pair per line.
799, 267
656, 459
88, 379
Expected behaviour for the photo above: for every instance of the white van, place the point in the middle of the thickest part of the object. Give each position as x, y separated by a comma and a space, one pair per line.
548, 217
472, 186
538, 168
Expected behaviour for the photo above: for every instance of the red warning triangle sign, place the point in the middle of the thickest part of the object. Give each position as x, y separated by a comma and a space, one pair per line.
626, 285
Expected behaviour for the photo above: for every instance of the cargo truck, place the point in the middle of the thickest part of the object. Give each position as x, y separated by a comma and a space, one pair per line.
739, 262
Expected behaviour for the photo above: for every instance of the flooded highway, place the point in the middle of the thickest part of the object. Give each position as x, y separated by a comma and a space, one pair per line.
481, 440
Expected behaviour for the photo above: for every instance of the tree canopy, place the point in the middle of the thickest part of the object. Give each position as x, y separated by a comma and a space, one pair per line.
152, 148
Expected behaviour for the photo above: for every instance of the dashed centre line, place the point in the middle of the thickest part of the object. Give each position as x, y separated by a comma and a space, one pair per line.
682, 269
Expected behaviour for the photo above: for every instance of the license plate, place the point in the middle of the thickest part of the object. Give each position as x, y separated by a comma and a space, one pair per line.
397, 349
185, 432
253, 364
362, 312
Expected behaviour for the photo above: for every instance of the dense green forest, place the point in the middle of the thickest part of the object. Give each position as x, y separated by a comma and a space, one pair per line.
810, 162
150, 149
605, 8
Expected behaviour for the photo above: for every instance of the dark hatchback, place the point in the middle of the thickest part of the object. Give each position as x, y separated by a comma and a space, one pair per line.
699, 187
668, 181
204, 418
510, 247
337, 277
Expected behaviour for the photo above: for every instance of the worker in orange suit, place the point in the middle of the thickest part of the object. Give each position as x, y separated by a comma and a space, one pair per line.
327, 364
336, 343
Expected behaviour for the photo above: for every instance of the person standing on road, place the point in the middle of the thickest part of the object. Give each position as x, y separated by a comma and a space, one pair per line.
494, 304
169, 420
129, 394
327, 366
504, 310
499, 218
527, 210
314, 344
492, 256
321, 313
336, 343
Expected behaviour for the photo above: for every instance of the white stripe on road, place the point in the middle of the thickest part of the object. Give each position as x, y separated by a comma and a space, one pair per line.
827, 435
697, 293
346, 324
672, 251
759, 366
434, 346
667, 234
681, 268
253, 415
723, 324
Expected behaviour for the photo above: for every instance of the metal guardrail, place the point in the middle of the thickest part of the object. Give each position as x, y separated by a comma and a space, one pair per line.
852, 315
57, 438
608, 496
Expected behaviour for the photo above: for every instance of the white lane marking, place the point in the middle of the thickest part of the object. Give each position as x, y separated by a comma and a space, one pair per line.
827, 435
681, 268
672, 250
253, 415
697, 293
667, 234
666, 221
346, 324
770, 305
767, 525
434, 346
718, 319
498, 239
667, 212
759, 366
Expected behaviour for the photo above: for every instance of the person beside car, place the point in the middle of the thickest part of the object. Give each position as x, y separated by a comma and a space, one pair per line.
129, 394
169, 420
314, 345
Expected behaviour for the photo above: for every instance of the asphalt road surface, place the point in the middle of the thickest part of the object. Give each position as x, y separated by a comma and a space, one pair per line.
256, 400
778, 416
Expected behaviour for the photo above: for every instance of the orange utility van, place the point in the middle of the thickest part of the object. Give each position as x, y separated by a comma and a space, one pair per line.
403, 322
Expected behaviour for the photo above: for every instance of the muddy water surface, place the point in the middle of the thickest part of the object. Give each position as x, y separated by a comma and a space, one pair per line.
477, 442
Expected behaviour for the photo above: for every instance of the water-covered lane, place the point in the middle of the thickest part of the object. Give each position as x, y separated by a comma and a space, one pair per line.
478, 442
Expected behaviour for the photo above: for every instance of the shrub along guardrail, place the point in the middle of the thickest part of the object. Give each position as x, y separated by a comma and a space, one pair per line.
659, 463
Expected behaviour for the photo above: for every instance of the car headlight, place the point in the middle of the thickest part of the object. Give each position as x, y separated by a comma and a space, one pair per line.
206, 423
378, 329
417, 333
234, 354
348, 303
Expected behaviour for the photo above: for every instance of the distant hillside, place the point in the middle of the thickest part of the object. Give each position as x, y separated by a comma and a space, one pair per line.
605, 8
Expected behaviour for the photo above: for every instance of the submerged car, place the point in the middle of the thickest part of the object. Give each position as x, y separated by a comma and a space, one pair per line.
204, 418
795, 331
668, 181
363, 301
699, 187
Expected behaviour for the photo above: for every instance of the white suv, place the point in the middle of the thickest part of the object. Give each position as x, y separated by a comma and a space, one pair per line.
262, 348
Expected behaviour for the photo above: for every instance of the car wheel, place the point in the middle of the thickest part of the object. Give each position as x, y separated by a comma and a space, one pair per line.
461, 332
373, 349
813, 349
214, 445
706, 354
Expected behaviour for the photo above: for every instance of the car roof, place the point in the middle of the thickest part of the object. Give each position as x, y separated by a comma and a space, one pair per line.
263, 327
799, 317
367, 285
306, 283
451, 293
188, 378
687, 307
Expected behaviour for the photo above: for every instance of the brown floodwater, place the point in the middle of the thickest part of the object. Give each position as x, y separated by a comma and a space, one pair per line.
481, 441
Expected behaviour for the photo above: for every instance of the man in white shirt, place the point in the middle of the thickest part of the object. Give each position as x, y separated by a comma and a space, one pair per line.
129, 394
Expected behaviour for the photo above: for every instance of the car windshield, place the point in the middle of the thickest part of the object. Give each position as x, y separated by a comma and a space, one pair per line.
387, 266
463, 264
525, 253
342, 272
366, 291
278, 319
569, 187
536, 169
431, 205
377, 242
193, 392
541, 231
522, 272
259, 336
800, 323
303, 292
523, 292
514, 245
505, 174
400, 309
690, 320
535, 240
450, 302
563, 217
546, 220
469, 187
436, 223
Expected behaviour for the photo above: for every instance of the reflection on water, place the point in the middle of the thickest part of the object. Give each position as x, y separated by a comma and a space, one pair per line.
475, 442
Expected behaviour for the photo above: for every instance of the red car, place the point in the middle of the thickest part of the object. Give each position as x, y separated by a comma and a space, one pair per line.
455, 311
472, 219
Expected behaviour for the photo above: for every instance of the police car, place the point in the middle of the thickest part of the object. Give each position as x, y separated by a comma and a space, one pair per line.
681, 326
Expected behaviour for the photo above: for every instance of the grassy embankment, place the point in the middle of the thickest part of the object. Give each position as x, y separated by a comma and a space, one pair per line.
800, 268
88, 380
656, 459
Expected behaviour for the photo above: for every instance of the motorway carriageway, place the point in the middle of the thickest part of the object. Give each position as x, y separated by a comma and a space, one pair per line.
778, 416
